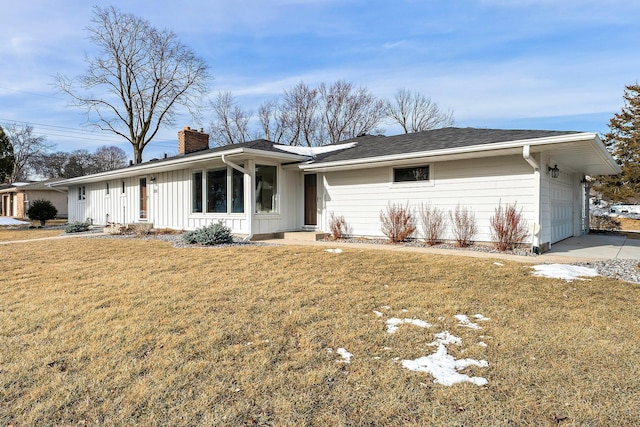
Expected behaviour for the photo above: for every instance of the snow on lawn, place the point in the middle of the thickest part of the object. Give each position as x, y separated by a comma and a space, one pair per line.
445, 338
346, 356
394, 323
334, 251
464, 321
564, 271
445, 367
10, 221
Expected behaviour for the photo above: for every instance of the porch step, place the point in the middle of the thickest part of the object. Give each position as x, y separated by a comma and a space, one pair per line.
304, 235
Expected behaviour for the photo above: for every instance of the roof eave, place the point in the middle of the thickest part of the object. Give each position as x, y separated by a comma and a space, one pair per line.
163, 165
508, 147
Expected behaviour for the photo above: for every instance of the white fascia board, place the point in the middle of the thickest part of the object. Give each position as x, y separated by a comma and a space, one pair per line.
605, 156
173, 164
503, 146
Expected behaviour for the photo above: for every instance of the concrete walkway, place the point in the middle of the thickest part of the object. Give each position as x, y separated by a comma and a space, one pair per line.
597, 247
593, 247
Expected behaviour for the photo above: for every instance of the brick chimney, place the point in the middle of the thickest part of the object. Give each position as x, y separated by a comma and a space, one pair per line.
190, 140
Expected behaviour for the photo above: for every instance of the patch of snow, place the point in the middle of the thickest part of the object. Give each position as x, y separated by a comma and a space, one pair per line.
386, 307
564, 271
314, 151
480, 317
499, 264
346, 356
482, 344
334, 251
445, 338
11, 221
445, 367
377, 313
394, 323
464, 321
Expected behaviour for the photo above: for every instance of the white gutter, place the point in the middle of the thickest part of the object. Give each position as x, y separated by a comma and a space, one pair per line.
250, 207
534, 229
452, 151
526, 154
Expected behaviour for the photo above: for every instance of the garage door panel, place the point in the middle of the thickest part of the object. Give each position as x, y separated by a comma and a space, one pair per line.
561, 193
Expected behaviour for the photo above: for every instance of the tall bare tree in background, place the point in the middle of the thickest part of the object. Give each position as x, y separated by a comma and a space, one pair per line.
142, 74
314, 116
349, 112
416, 112
230, 123
311, 116
273, 121
79, 162
26, 148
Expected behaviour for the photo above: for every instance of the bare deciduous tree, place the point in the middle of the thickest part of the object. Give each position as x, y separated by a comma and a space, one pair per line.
79, 162
26, 148
272, 120
143, 75
109, 157
301, 116
230, 123
349, 112
416, 112
317, 116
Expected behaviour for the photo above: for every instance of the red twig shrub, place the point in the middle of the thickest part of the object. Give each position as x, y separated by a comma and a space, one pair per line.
338, 226
398, 223
464, 226
508, 228
433, 224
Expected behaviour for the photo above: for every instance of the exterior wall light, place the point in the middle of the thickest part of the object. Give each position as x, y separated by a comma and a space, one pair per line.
555, 172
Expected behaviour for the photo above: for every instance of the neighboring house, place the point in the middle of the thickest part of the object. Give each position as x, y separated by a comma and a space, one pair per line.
16, 198
260, 188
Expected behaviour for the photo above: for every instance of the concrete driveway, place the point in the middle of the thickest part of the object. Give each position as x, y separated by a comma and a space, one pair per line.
597, 246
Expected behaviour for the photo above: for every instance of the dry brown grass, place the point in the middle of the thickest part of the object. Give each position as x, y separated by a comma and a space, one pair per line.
8, 234
124, 332
629, 224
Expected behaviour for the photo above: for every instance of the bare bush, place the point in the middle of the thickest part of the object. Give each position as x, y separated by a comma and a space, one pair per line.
433, 223
508, 228
604, 223
338, 226
398, 222
464, 225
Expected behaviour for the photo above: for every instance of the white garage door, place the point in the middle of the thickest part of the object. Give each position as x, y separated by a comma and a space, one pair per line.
561, 208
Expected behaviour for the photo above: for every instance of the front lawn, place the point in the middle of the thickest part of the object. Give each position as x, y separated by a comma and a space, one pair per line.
133, 332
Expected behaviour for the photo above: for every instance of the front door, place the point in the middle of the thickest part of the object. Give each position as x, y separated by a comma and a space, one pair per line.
143, 198
310, 199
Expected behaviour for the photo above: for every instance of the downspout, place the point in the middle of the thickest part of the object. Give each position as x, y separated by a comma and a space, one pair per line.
249, 208
535, 227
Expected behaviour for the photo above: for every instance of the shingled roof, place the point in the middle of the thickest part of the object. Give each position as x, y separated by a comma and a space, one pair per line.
369, 146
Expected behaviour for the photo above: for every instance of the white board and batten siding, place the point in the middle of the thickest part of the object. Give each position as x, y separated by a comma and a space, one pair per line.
169, 203
479, 184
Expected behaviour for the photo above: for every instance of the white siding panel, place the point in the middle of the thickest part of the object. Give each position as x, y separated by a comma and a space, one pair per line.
480, 185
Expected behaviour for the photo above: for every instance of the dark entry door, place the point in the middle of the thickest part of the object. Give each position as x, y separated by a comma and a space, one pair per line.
310, 199
143, 198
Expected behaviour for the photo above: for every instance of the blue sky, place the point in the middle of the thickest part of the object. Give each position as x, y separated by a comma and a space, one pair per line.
528, 64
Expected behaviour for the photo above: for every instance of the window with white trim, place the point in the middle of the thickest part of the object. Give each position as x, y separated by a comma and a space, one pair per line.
210, 191
411, 174
82, 193
266, 188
